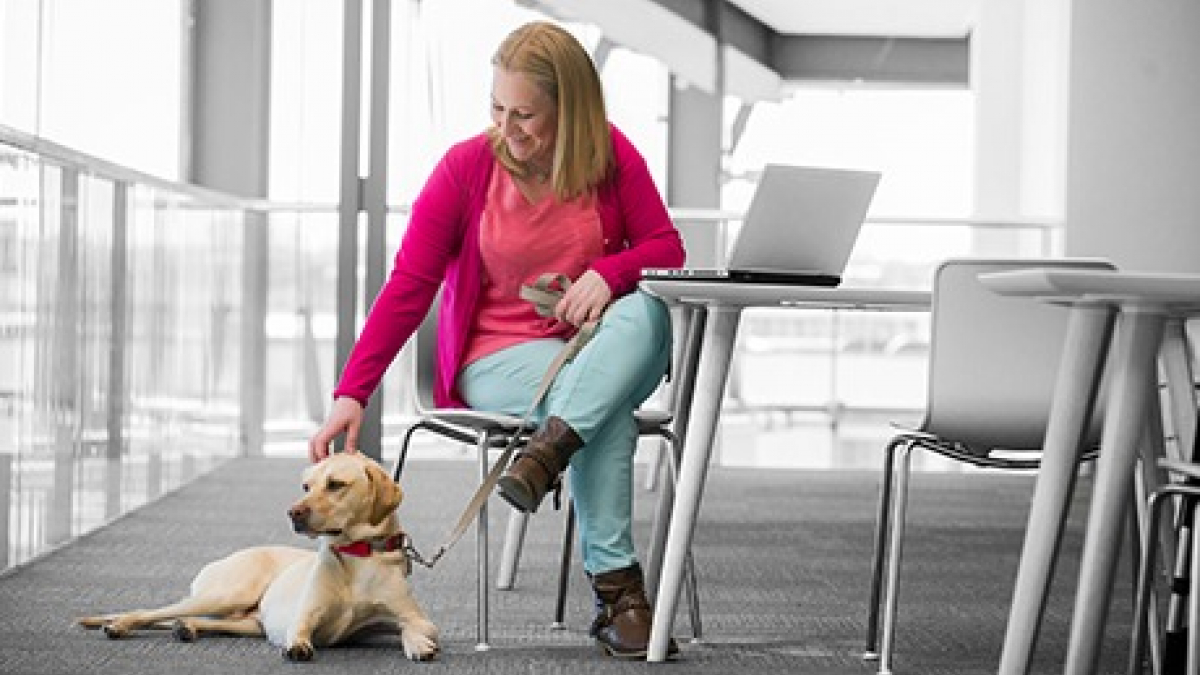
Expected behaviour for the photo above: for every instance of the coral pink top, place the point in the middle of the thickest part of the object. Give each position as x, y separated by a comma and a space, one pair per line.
442, 247
519, 242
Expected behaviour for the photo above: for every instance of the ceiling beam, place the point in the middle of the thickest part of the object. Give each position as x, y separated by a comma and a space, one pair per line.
942, 62
759, 63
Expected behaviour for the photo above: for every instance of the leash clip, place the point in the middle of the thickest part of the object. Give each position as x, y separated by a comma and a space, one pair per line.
414, 555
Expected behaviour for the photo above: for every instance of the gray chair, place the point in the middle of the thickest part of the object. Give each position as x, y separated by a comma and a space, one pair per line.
1175, 646
992, 366
487, 431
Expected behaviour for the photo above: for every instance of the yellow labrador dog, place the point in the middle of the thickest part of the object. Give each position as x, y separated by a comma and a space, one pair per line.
355, 582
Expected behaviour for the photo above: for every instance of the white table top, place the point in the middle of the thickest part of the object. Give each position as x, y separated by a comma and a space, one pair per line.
733, 294
1174, 290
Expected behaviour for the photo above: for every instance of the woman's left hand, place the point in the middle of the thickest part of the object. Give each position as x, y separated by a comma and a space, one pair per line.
585, 300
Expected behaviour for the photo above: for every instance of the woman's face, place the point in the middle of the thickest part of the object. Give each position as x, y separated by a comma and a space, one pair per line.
526, 117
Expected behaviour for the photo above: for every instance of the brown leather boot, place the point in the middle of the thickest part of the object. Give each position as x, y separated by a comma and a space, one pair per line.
623, 614
536, 468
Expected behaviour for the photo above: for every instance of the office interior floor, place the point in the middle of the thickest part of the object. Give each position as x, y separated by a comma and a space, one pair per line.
783, 558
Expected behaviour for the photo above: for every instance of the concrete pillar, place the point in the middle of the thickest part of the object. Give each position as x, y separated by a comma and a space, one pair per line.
363, 194
694, 166
1018, 76
119, 313
229, 138
1134, 145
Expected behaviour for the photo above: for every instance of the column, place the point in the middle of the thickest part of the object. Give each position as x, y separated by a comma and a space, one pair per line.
1134, 145
229, 124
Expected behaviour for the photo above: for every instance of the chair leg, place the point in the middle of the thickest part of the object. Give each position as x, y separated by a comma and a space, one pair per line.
481, 553
514, 542
693, 595
1193, 643
1175, 642
881, 536
895, 552
1145, 584
654, 467
564, 569
402, 456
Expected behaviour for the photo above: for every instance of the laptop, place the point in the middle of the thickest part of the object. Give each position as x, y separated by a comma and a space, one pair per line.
800, 229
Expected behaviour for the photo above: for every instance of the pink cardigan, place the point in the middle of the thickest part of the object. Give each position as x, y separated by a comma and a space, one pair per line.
442, 243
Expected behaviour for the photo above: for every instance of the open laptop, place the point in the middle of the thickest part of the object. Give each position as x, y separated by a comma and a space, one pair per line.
800, 228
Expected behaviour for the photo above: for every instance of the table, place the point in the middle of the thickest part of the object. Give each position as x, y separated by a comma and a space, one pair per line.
1135, 307
711, 315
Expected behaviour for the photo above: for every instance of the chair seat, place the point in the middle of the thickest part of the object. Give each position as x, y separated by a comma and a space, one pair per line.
650, 421
1186, 469
987, 459
478, 419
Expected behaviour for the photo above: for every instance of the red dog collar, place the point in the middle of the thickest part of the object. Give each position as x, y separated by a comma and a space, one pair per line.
364, 548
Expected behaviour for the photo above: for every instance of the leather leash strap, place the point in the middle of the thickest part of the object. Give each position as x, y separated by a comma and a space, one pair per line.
544, 294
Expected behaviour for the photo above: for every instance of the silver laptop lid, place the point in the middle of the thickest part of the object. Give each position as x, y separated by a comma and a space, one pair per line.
803, 219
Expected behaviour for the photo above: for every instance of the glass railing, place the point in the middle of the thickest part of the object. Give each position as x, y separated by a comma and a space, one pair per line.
120, 311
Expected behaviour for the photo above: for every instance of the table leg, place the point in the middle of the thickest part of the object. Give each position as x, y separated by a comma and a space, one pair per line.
1088, 336
1136, 350
683, 386
719, 335
1181, 393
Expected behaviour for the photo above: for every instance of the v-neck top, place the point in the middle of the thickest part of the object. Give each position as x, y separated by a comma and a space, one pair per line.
519, 241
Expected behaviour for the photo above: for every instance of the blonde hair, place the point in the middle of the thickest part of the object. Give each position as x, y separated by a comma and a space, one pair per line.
559, 65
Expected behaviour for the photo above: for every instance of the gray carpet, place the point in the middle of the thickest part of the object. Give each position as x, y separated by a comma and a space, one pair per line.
782, 556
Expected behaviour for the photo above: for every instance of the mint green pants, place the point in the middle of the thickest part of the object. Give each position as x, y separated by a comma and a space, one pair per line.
596, 394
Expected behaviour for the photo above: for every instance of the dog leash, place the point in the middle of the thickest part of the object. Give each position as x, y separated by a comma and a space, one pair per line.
545, 293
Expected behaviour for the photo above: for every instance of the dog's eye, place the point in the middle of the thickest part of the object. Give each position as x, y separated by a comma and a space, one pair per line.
304, 487
335, 485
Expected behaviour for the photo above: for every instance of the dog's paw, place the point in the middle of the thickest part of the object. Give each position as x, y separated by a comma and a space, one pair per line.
184, 631
418, 646
114, 630
92, 622
299, 652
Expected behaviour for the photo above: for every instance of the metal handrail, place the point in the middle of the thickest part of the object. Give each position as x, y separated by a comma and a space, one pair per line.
64, 155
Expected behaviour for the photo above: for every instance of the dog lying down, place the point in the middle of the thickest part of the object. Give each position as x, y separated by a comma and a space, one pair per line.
353, 584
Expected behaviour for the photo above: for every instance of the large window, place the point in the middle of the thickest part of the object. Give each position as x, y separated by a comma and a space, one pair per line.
100, 77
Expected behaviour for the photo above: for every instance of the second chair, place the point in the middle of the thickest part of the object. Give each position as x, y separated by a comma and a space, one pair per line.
992, 366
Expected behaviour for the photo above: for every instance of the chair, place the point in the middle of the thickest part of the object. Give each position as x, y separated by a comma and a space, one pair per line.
1175, 643
486, 431
992, 367
1177, 649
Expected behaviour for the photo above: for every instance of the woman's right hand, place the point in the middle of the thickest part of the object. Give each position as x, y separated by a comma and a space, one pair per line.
346, 416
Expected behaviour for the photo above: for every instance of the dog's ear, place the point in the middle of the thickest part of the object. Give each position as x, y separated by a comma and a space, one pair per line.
387, 494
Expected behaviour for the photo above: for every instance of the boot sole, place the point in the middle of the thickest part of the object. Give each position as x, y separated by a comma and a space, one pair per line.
623, 656
517, 494
633, 656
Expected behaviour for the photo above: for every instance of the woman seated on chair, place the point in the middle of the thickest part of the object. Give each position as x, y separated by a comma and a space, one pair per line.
553, 187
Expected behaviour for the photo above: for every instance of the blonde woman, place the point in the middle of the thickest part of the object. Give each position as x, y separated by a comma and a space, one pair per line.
551, 186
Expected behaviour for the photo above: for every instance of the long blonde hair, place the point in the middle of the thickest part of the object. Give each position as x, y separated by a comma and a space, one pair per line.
559, 65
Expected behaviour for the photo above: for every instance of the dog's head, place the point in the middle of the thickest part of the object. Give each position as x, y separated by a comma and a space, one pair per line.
348, 496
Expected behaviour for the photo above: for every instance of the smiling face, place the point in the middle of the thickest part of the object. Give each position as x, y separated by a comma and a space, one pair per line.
526, 119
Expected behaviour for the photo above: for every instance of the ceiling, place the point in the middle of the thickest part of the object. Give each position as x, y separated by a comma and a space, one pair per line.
893, 18
765, 46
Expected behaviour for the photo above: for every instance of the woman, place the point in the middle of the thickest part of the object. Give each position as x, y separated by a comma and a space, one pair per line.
550, 187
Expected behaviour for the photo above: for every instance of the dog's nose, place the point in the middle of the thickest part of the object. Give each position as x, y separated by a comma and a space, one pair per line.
299, 514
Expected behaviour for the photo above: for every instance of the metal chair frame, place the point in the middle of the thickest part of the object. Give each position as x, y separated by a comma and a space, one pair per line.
487, 431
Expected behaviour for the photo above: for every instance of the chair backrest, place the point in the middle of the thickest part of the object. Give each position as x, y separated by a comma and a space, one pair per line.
993, 359
425, 359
